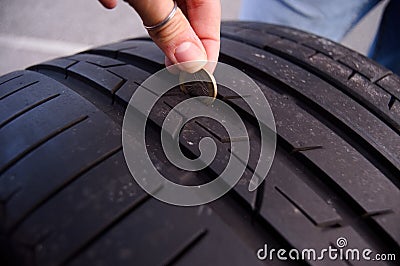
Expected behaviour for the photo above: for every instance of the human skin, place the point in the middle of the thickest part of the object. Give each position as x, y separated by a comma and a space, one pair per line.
193, 34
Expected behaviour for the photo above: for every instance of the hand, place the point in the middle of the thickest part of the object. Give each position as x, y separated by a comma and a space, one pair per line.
192, 34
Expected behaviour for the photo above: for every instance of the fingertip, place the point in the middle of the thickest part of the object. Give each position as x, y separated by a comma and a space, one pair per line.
109, 4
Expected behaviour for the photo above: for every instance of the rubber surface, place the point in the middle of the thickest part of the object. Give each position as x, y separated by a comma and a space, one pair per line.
67, 197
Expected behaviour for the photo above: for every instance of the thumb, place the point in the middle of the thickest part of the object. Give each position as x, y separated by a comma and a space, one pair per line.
176, 38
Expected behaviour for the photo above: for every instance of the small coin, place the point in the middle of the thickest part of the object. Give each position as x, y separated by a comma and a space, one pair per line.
200, 83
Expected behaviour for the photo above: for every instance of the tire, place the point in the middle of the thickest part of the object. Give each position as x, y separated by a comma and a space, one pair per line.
67, 196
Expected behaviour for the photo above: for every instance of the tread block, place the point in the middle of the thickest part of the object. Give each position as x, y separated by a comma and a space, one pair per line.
376, 98
251, 36
293, 49
59, 63
144, 49
327, 47
298, 230
100, 61
115, 47
389, 221
286, 32
133, 76
365, 66
333, 68
395, 109
312, 41
370, 92
97, 76
391, 83
302, 196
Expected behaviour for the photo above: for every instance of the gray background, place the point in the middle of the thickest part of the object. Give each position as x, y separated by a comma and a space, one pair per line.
35, 31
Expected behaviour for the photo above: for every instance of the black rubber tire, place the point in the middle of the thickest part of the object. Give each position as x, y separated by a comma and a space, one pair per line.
67, 196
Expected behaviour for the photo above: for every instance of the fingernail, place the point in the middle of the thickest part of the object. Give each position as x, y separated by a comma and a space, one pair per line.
188, 51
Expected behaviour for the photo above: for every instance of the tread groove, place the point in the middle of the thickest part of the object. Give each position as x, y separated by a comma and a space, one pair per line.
391, 102
68, 67
309, 148
119, 86
259, 198
99, 65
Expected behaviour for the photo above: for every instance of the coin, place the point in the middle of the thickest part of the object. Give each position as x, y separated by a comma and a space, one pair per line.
200, 83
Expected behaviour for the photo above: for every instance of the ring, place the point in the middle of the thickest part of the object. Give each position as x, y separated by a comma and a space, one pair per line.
165, 21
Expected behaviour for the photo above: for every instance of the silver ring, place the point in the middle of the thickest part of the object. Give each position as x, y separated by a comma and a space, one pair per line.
165, 21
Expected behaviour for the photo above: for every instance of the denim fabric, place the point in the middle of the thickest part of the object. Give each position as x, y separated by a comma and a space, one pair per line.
332, 19
386, 47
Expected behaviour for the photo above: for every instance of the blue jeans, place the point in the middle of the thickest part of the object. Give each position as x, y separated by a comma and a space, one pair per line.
332, 19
